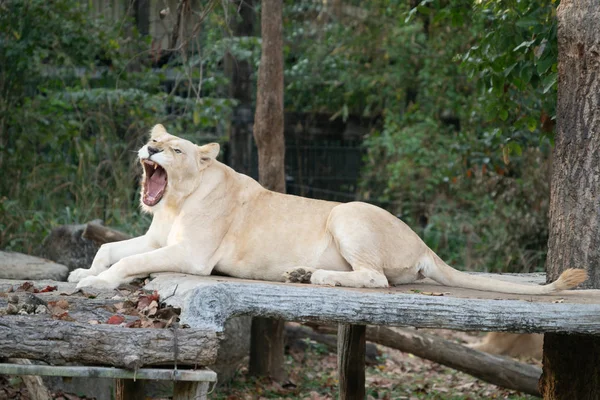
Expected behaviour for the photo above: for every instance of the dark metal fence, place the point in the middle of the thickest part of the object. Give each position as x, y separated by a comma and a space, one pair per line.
325, 169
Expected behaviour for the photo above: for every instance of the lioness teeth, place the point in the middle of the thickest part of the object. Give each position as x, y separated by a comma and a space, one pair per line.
155, 166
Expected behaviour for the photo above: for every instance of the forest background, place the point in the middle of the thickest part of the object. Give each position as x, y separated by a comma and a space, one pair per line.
459, 96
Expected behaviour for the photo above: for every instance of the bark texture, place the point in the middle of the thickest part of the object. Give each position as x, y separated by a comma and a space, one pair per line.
21, 337
571, 368
268, 120
210, 305
351, 361
575, 189
266, 348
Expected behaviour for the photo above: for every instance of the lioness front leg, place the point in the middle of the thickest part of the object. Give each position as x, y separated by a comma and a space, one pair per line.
110, 253
174, 258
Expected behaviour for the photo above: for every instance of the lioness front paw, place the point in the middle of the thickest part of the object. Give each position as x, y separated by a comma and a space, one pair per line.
98, 283
298, 275
79, 274
323, 277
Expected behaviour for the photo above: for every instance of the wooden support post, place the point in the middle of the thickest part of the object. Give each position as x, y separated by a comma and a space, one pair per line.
190, 390
351, 361
266, 349
128, 389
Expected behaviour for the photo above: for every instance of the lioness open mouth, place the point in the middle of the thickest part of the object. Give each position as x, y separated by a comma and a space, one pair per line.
155, 183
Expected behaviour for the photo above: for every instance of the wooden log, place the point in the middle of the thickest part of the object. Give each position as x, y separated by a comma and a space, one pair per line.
101, 234
214, 302
22, 337
351, 361
497, 370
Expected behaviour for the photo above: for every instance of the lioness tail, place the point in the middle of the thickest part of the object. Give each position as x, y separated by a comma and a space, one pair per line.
442, 273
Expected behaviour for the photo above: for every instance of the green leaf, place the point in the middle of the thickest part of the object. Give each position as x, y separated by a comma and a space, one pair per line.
531, 124
526, 44
543, 65
549, 82
503, 114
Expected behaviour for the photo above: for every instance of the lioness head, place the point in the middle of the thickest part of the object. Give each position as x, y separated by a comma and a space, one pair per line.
171, 166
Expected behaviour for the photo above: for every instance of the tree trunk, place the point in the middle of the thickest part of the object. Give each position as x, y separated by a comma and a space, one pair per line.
266, 348
351, 361
268, 120
571, 369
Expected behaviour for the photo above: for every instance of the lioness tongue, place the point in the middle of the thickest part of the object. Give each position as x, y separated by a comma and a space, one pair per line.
157, 183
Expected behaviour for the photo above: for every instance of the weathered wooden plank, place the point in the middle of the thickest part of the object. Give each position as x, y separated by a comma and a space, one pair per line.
168, 374
60, 342
211, 302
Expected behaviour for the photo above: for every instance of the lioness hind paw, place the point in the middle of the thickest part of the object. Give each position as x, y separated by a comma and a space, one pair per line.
298, 275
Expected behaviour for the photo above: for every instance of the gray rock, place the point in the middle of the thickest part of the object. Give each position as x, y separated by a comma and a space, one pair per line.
24, 267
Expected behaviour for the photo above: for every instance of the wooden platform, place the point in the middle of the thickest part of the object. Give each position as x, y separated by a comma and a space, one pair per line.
209, 301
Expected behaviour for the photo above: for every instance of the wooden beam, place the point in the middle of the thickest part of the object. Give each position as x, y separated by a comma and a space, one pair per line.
213, 304
351, 361
165, 374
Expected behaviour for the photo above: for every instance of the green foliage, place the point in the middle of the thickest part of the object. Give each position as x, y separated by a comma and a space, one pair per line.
461, 96
76, 102
467, 95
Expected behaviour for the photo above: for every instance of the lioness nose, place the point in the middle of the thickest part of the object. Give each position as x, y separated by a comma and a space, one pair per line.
152, 150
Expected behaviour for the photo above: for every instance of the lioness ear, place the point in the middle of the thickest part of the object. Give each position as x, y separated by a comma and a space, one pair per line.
208, 152
158, 130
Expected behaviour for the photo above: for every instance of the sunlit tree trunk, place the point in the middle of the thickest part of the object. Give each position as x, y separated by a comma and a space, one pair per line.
572, 362
266, 353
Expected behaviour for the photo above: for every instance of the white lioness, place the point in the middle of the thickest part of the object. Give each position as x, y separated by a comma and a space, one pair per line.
207, 217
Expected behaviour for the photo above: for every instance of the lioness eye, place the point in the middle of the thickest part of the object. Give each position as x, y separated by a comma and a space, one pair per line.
177, 151
154, 140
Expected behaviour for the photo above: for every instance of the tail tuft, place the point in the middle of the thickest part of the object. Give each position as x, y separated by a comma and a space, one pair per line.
570, 279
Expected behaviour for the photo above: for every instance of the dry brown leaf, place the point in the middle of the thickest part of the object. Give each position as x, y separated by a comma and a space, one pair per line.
115, 320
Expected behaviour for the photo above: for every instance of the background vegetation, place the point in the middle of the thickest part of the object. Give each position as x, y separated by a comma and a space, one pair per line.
462, 94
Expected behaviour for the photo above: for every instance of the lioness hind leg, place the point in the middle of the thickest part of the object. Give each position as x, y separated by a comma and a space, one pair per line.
298, 275
357, 233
